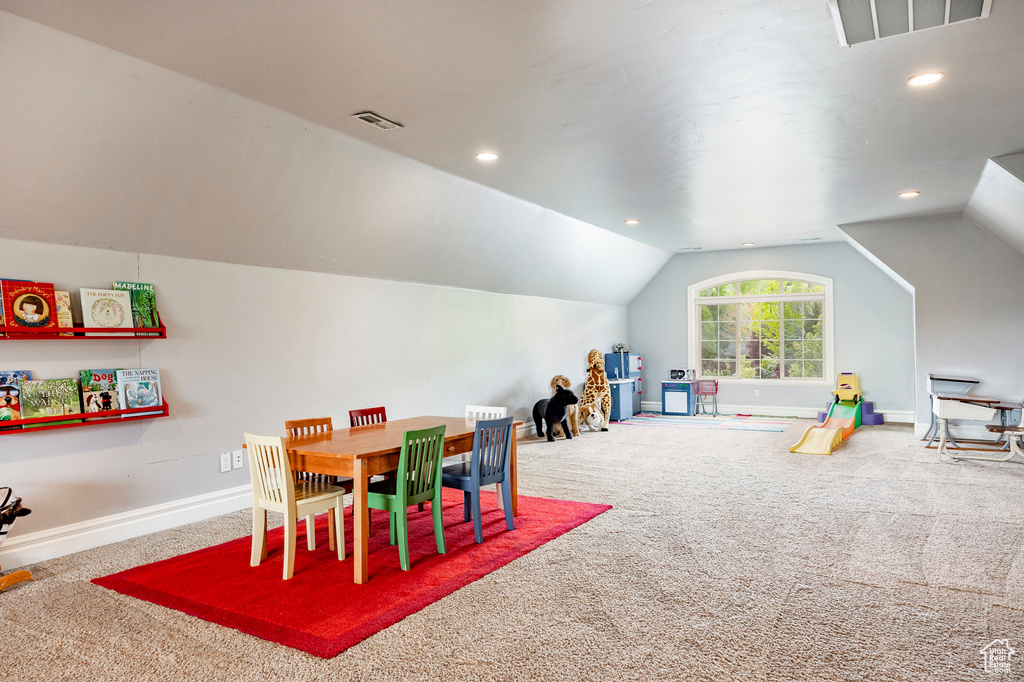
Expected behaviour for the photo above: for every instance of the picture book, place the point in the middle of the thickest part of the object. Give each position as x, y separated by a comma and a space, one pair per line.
143, 297
139, 388
49, 398
62, 300
106, 308
29, 305
99, 391
2, 282
10, 403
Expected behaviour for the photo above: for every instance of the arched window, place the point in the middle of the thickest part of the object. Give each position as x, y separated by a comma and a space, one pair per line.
762, 326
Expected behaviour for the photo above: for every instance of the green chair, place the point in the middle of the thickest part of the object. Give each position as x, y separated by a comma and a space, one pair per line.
417, 480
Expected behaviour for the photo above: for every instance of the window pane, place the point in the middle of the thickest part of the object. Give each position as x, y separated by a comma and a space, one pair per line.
705, 312
812, 329
727, 289
794, 368
794, 310
769, 310
710, 312
813, 368
749, 287
790, 287
750, 369
709, 350
769, 286
769, 368
726, 330
709, 330
815, 288
727, 312
794, 350
812, 309
713, 291
794, 329
812, 350
709, 368
727, 368
727, 349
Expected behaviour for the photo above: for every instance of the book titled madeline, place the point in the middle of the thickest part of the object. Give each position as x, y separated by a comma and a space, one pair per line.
139, 388
143, 298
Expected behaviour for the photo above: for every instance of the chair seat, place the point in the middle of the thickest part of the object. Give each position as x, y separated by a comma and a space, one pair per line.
311, 491
460, 470
385, 486
461, 475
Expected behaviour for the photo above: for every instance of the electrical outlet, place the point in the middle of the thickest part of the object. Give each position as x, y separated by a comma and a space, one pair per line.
225, 462
757, 393
236, 459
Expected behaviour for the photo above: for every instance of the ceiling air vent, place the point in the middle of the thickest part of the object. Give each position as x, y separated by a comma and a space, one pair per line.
376, 120
858, 21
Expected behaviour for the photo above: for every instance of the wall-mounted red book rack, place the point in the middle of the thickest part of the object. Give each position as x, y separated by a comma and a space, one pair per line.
9, 333
87, 419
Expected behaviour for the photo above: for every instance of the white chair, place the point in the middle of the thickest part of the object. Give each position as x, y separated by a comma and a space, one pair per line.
479, 412
275, 489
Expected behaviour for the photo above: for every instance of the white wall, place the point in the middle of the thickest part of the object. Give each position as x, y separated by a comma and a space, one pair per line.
250, 347
969, 290
873, 326
101, 149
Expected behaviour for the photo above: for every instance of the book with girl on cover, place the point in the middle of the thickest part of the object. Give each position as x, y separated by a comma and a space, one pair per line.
139, 388
10, 397
143, 297
28, 304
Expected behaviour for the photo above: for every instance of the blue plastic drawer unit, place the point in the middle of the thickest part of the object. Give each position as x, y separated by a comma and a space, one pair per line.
678, 397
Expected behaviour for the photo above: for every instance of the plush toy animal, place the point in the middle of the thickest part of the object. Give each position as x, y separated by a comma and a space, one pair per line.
574, 414
553, 411
590, 417
9, 511
597, 389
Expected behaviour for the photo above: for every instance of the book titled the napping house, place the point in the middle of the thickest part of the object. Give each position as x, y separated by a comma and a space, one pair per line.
49, 398
107, 308
139, 388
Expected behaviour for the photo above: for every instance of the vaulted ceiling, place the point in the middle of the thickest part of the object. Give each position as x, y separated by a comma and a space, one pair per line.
714, 122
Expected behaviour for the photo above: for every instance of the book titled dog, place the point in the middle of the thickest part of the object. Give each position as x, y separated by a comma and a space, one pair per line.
139, 388
49, 398
99, 391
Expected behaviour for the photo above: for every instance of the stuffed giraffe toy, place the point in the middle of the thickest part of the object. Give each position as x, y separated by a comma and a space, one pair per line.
597, 390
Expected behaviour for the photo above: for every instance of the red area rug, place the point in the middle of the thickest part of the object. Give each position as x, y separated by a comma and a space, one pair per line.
320, 610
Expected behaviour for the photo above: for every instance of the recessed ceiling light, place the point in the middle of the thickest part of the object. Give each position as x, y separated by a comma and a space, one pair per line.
632, 221
686, 249
909, 194
748, 243
810, 239
926, 78
487, 156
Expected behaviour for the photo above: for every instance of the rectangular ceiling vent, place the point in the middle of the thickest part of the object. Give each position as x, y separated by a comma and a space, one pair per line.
858, 21
376, 120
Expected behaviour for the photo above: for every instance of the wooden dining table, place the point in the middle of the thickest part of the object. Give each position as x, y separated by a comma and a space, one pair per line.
360, 452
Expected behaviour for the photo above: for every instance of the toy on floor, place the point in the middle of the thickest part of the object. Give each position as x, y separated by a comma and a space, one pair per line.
574, 414
590, 417
9, 512
597, 390
553, 411
847, 412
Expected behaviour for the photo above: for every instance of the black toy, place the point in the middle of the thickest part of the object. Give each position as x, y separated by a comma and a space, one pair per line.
553, 411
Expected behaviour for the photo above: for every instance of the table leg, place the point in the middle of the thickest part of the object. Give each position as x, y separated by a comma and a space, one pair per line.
514, 484
360, 524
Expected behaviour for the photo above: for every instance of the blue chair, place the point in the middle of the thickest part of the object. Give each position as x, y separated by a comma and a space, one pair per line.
492, 452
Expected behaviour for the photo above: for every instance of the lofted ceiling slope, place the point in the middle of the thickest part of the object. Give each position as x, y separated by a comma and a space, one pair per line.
714, 122
997, 204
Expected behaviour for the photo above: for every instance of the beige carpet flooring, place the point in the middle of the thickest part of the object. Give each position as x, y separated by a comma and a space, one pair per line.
725, 558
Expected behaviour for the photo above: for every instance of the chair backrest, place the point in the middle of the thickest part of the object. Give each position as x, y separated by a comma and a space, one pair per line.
707, 387
492, 447
419, 464
270, 470
297, 428
485, 412
371, 415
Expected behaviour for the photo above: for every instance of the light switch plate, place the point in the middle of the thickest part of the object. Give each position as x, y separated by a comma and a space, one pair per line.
225, 462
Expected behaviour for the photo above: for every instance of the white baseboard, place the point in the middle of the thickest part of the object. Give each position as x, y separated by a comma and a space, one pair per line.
894, 416
22, 550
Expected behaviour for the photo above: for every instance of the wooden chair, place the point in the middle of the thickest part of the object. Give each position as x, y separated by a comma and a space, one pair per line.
489, 463
485, 412
418, 480
370, 415
310, 427
274, 489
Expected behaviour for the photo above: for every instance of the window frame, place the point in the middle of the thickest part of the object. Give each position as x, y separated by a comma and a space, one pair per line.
828, 344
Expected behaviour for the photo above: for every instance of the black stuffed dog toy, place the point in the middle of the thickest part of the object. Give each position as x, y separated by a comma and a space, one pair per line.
553, 411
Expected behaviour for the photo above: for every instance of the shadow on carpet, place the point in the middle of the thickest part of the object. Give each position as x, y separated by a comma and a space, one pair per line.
736, 422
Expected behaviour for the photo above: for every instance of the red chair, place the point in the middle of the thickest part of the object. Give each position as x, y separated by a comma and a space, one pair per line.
707, 392
371, 415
